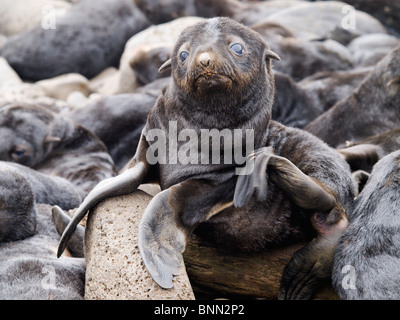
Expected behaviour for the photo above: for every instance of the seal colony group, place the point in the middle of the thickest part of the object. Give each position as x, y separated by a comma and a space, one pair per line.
299, 189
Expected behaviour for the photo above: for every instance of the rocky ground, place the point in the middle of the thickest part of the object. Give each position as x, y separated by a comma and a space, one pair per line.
96, 62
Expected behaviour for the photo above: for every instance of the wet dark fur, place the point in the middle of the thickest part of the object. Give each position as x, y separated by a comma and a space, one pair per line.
163, 11
90, 37
372, 108
244, 103
371, 243
26, 266
23, 187
278, 221
118, 120
293, 106
146, 62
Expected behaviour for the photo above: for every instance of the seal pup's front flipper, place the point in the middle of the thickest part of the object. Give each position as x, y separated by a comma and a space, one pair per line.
170, 219
122, 184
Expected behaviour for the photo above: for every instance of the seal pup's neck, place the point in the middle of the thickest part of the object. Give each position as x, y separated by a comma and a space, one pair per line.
219, 110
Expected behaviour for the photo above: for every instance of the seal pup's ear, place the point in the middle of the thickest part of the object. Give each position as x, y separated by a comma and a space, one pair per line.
269, 54
166, 66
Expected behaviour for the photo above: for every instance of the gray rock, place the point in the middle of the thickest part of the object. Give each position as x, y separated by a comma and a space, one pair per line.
61, 86
114, 265
18, 16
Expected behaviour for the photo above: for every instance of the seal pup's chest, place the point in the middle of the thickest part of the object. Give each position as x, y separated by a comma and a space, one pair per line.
186, 152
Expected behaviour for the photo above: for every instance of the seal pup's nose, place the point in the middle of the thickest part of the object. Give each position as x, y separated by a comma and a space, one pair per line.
204, 59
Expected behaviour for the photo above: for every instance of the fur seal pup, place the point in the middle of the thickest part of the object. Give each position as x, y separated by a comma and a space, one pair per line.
21, 188
29, 269
366, 264
52, 144
372, 108
222, 78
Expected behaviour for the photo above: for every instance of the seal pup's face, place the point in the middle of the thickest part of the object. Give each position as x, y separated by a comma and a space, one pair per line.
146, 59
26, 133
219, 56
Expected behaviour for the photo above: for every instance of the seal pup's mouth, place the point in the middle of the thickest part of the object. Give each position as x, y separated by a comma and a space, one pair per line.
208, 79
206, 74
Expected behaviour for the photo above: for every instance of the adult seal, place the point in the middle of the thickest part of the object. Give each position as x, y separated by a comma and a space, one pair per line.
222, 79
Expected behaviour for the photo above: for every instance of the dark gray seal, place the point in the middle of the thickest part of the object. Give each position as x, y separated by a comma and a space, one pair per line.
43, 140
30, 270
90, 37
366, 265
21, 188
118, 120
372, 108
222, 78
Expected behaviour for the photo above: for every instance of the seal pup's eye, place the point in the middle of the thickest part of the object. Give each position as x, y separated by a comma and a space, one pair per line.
18, 153
184, 55
237, 49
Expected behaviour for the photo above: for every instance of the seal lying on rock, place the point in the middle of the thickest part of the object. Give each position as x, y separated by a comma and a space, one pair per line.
367, 258
20, 189
51, 144
222, 78
98, 31
29, 269
372, 108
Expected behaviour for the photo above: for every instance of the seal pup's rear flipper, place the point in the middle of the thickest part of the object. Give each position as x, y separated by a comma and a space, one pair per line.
305, 191
170, 219
61, 220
